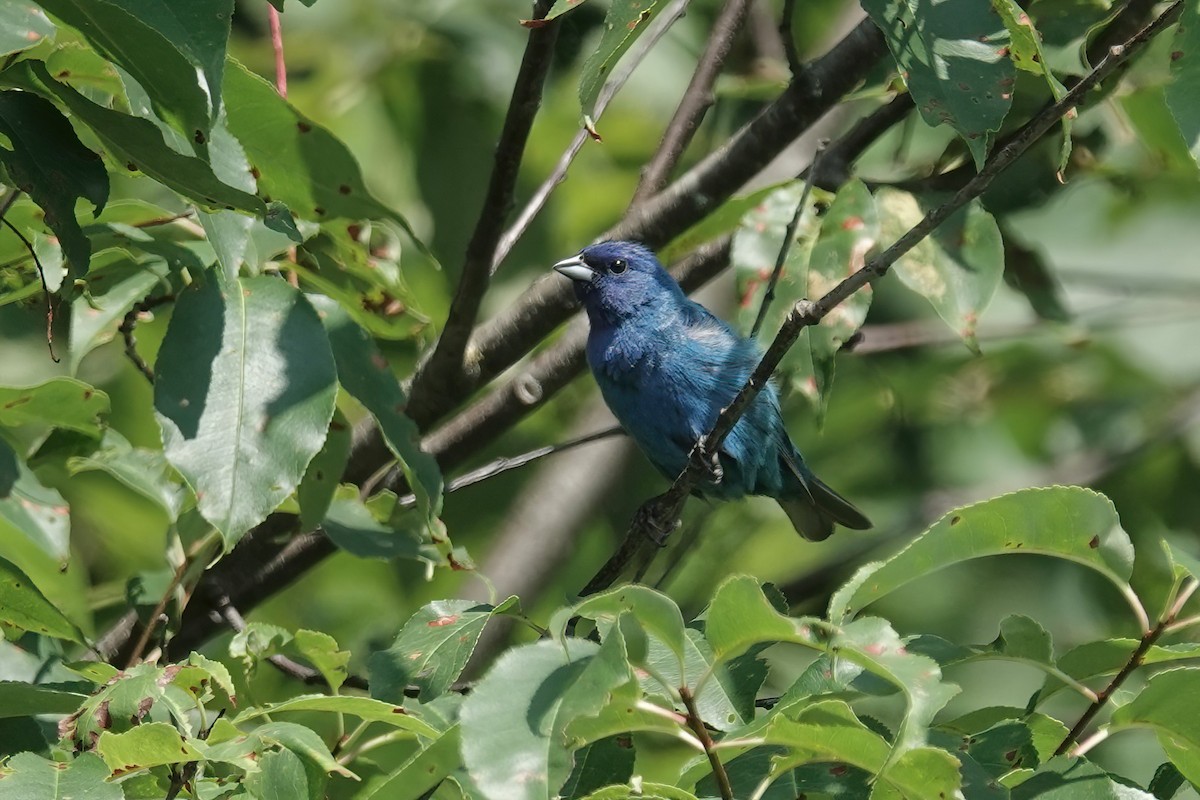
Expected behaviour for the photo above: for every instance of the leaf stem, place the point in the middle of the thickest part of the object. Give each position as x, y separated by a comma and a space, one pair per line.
276, 26
697, 725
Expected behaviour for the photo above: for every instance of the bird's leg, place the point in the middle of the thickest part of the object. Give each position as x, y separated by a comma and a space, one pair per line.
706, 464
654, 518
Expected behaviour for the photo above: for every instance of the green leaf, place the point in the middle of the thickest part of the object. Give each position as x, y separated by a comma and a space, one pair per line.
18, 699
624, 23
423, 770
652, 609
725, 698
365, 374
645, 790
34, 526
244, 393
281, 776
128, 37
22, 605
849, 230
297, 161
151, 744
829, 731
740, 615
1027, 271
513, 722
599, 764
198, 30
304, 742
559, 8
755, 249
365, 708
1167, 782
31, 777
1170, 704
144, 471
1046, 733
954, 59
48, 161
117, 706
431, 649
22, 25
138, 144
1107, 656
1064, 778
58, 403
111, 292
957, 269
1064, 521
822, 254
321, 650
1183, 93
316, 491
369, 530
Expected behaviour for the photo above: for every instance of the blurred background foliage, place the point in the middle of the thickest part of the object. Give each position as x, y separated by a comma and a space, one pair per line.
1097, 382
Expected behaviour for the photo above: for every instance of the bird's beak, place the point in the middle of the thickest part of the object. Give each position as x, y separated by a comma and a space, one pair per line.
575, 269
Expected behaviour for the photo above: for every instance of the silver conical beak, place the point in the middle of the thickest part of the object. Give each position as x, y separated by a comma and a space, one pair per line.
575, 269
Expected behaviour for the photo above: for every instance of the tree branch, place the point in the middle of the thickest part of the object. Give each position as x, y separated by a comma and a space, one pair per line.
661, 514
697, 99
440, 372
659, 27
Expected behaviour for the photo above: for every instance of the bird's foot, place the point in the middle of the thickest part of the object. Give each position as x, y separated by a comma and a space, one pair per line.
653, 519
707, 464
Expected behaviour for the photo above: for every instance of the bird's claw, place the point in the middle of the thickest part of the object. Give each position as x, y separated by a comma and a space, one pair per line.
706, 463
658, 529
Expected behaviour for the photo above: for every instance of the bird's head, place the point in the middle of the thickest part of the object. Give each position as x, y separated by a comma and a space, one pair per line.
618, 280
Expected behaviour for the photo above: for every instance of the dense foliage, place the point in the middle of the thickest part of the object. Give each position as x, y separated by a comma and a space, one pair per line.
249, 338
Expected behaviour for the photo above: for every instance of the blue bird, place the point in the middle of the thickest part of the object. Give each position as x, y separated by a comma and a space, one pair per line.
666, 367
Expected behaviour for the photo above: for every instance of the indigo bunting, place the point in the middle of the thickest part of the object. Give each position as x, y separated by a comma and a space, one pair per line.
666, 367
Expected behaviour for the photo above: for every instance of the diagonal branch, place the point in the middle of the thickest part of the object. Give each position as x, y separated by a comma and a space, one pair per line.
441, 370
662, 513
697, 99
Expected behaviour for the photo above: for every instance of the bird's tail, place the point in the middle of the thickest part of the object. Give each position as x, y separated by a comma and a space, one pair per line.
815, 508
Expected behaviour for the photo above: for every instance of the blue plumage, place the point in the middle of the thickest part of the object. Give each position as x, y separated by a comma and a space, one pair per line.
666, 368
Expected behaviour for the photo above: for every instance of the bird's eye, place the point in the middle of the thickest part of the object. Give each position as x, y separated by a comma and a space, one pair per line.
618, 266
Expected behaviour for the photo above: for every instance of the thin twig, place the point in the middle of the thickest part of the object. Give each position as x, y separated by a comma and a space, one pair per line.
1135, 660
126, 330
697, 99
276, 26
837, 159
41, 271
788, 37
660, 514
697, 725
659, 27
789, 237
444, 367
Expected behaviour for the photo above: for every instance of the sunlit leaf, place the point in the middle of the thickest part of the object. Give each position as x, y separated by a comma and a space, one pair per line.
625, 22
244, 393
1068, 522
22, 25
31, 777
957, 269
124, 32
954, 59
432, 649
